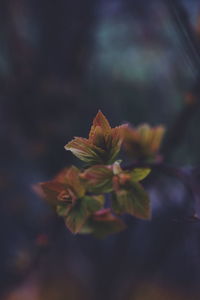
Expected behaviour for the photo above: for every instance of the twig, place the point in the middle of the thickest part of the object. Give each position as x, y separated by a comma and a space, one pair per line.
188, 176
178, 172
191, 43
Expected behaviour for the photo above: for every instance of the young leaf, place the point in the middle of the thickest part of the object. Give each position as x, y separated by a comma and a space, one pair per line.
77, 217
103, 223
103, 144
63, 209
143, 142
74, 182
98, 179
139, 174
49, 191
99, 121
81, 211
65, 187
133, 201
85, 150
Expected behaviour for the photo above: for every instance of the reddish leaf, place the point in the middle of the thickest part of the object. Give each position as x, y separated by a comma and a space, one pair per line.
99, 122
51, 190
103, 143
65, 187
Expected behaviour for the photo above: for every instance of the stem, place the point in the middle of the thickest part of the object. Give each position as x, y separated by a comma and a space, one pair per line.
165, 168
191, 45
180, 173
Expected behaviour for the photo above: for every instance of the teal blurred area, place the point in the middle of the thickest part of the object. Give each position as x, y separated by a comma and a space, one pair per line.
61, 61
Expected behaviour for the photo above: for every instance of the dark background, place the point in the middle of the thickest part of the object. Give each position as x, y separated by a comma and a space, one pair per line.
61, 61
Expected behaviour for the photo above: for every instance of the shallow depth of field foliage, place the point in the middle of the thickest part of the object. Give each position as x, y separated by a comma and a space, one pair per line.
80, 195
115, 213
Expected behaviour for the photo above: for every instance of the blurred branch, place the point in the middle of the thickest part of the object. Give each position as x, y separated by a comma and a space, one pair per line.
178, 172
188, 176
178, 129
192, 45
181, 21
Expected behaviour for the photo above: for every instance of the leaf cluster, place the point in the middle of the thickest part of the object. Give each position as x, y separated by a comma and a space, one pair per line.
81, 196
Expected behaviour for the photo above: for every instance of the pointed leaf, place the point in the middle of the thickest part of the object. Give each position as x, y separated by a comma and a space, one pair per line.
138, 174
98, 179
76, 217
63, 209
103, 223
159, 132
85, 151
50, 191
144, 141
65, 187
133, 201
98, 137
100, 121
103, 144
74, 182
80, 212
114, 142
145, 133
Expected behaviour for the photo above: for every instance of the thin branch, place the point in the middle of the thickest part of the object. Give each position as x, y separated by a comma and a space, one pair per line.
191, 43
189, 177
178, 172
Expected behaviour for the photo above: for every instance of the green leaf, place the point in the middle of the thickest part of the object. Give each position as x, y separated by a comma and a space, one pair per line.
98, 179
114, 141
102, 224
103, 144
139, 174
100, 200
80, 212
77, 217
63, 209
94, 203
74, 183
133, 201
85, 150
143, 142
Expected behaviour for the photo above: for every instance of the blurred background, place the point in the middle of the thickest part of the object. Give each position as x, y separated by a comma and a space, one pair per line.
61, 61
